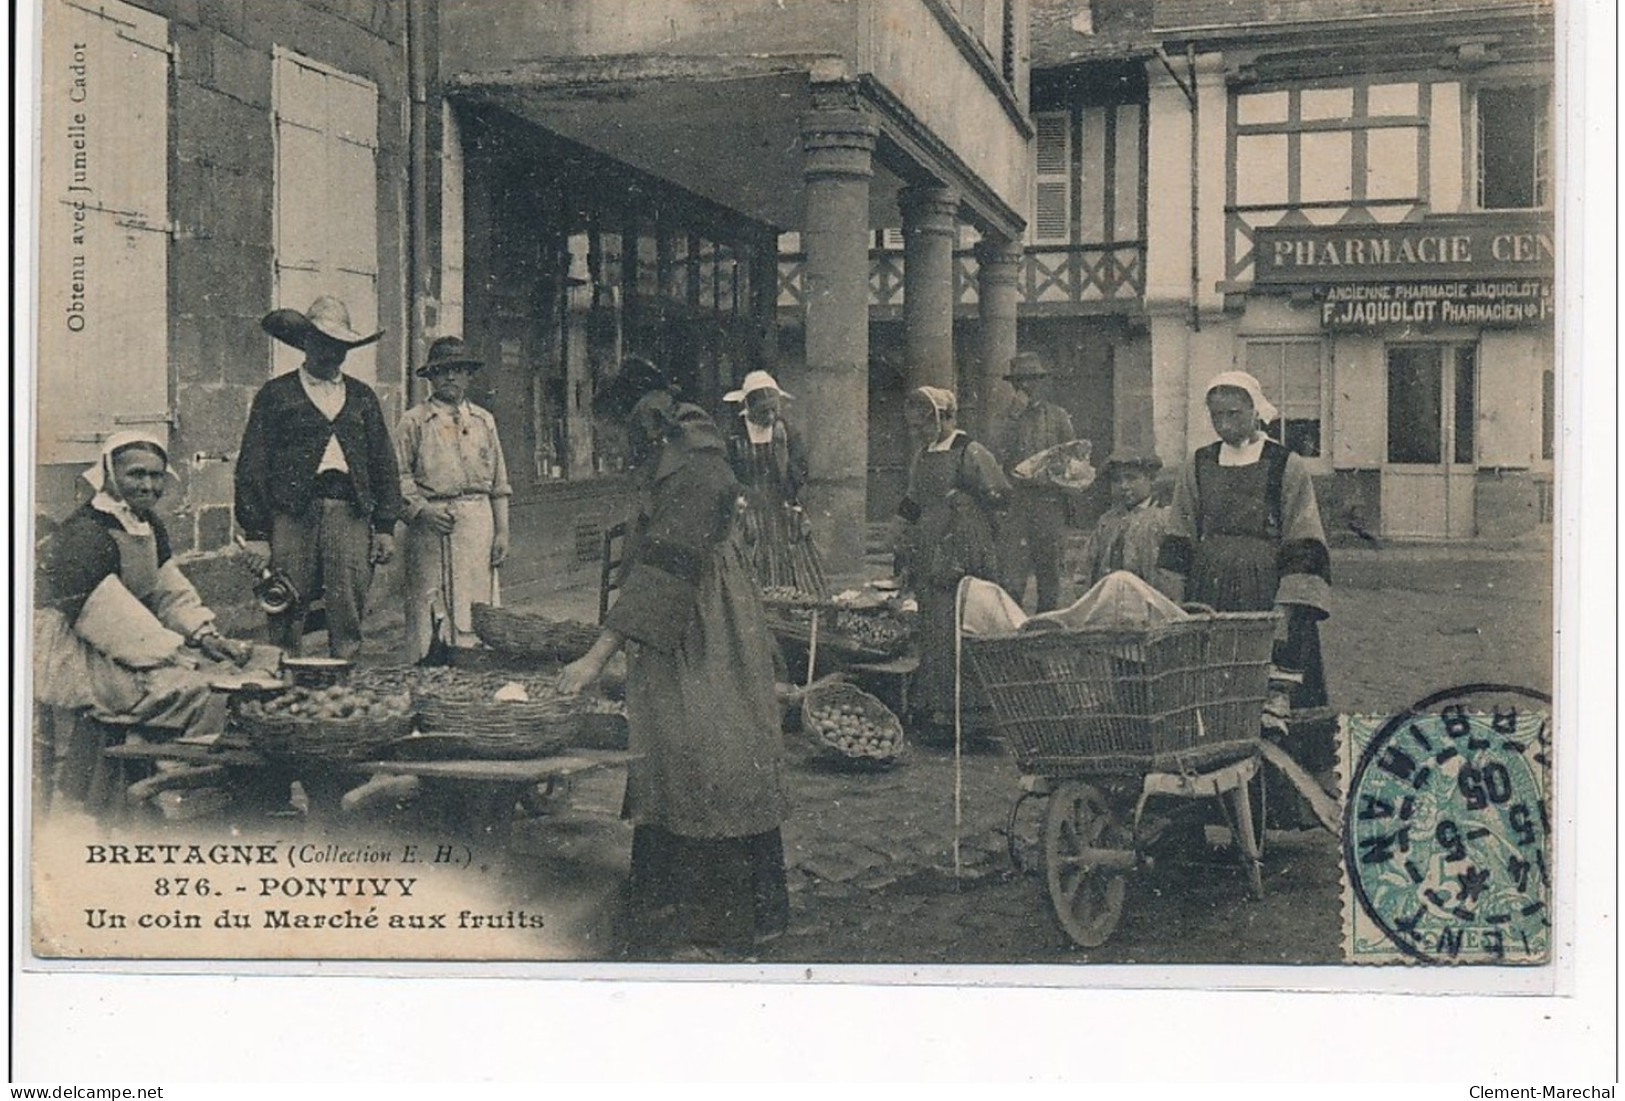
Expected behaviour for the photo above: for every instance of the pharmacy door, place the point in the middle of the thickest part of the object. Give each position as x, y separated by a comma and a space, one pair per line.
1427, 481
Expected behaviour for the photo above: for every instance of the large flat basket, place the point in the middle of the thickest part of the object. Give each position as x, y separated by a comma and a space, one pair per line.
1173, 697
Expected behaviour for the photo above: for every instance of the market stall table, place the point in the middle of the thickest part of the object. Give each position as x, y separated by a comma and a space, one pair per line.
470, 792
476, 794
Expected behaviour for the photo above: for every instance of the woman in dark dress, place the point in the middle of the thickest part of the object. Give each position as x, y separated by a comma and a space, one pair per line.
706, 794
770, 461
1245, 533
956, 495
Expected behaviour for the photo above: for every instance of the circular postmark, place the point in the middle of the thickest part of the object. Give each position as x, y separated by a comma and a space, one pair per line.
1447, 830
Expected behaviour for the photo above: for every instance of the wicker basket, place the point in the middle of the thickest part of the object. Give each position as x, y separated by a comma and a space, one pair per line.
496, 718
1177, 696
796, 635
841, 694
324, 739
532, 635
437, 746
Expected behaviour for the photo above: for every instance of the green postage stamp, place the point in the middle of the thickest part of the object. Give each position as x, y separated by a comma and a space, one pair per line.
1447, 831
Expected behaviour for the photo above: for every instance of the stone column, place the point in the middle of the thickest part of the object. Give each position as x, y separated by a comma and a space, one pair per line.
998, 295
929, 232
838, 141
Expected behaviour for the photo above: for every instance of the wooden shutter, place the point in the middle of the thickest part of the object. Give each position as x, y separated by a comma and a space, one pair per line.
1052, 212
103, 227
1510, 364
1359, 404
326, 198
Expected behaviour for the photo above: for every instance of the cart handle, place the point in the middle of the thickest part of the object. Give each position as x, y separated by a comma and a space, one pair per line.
1196, 608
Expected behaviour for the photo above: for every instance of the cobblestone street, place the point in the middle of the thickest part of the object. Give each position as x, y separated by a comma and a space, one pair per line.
869, 853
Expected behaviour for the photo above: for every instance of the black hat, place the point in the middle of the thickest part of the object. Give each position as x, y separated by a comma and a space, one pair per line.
327, 316
1131, 457
1026, 365
636, 377
449, 351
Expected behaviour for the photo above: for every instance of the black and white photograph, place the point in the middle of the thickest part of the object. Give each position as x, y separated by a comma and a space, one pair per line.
1026, 492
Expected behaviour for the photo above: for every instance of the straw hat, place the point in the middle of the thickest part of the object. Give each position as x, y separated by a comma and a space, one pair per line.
327, 316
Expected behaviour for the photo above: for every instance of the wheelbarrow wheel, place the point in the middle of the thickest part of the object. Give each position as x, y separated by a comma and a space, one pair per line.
1088, 898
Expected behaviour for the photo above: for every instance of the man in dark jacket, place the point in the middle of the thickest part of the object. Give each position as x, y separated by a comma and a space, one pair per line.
317, 487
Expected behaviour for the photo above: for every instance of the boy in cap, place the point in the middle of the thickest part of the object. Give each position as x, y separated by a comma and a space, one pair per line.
1129, 534
317, 488
454, 483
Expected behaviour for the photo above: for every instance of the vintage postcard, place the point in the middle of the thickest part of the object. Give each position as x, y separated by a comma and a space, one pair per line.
523, 484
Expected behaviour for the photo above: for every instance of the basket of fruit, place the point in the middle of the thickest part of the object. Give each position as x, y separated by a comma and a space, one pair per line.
847, 634
531, 634
339, 722
850, 724
788, 596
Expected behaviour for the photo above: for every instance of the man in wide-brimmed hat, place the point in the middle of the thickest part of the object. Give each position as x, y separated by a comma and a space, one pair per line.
455, 486
317, 488
1030, 541
1129, 534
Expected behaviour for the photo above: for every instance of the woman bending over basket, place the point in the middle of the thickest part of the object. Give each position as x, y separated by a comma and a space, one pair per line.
956, 494
706, 793
1245, 533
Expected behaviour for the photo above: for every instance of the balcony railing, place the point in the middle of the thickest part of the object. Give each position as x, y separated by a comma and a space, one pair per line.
1052, 277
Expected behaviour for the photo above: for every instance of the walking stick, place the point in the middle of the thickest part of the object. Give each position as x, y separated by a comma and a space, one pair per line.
812, 647
443, 644
448, 589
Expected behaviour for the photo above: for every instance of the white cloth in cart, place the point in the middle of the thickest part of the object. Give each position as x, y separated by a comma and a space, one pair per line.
1118, 600
986, 609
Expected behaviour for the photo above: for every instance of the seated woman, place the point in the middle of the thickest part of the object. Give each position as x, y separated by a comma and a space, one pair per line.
118, 628
1245, 533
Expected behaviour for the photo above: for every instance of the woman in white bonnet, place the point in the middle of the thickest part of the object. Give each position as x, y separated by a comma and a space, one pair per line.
118, 628
1245, 532
956, 496
769, 457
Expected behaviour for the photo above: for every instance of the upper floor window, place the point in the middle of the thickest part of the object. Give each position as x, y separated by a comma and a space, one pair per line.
1513, 139
1329, 146
1087, 165
1052, 147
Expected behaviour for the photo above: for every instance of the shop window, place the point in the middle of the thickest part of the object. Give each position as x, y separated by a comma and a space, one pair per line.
1513, 140
1432, 412
1290, 372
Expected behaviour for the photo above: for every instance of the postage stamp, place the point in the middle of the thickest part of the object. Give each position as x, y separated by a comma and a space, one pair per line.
1447, 835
